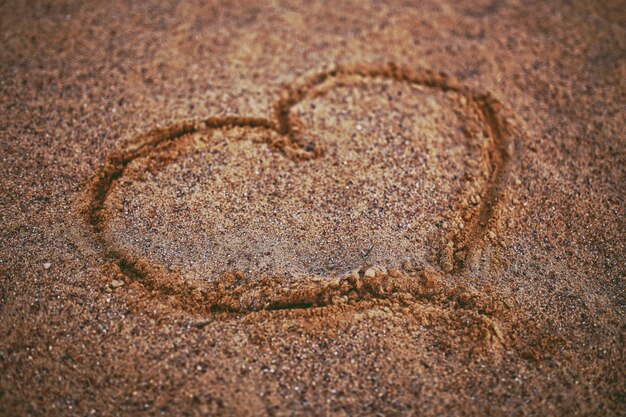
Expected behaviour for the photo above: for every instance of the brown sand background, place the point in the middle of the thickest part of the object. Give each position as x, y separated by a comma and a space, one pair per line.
534, 327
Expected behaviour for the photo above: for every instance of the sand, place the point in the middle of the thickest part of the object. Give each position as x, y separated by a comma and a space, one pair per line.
313, 209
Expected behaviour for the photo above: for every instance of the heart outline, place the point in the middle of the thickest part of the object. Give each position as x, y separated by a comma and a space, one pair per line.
225, 290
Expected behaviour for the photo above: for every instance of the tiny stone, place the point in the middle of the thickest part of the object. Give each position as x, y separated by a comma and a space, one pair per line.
47, 265
491, 235
394, 273
370, 273
407, 266
116, 283
430, 277
498, 332
340, 300
405, 297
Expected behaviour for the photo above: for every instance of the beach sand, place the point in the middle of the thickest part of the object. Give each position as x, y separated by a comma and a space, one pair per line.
313, 208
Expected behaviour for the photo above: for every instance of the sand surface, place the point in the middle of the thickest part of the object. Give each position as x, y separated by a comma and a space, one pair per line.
313, 208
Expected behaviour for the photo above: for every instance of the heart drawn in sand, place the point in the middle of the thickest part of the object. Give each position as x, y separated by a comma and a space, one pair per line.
363, 173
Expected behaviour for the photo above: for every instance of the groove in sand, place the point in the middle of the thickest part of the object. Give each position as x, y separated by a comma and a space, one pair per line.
219, 297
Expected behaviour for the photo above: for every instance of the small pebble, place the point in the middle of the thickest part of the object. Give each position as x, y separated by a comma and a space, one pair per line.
340, 300
430, 277
394, 273
497, 331
116, 283
407, 265
47, 265
370, 273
